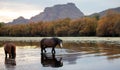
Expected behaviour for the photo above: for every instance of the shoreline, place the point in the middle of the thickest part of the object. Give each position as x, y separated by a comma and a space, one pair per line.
65, 39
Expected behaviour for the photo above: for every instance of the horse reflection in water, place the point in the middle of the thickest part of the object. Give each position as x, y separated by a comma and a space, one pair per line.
52, 61
10, 62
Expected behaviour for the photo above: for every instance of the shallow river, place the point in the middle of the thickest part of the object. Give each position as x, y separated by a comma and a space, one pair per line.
73, 56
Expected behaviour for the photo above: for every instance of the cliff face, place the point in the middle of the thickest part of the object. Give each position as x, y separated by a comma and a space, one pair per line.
58, 12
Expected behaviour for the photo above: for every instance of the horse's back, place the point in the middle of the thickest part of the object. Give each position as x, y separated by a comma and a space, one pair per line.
48, 42
9, 46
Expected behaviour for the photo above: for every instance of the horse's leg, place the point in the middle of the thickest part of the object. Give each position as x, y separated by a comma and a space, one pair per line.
10, 55
41, 50
44, 49
42, 46
5, 54
53, 50
13, 55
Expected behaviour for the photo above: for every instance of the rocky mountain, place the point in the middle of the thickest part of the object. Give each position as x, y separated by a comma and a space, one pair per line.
68, 10
103, 13
19, 20
60, 11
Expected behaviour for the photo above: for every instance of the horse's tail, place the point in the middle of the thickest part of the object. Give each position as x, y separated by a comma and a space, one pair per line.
41, 45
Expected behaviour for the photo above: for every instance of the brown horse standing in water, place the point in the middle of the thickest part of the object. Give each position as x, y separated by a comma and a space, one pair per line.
52, 42
10, 49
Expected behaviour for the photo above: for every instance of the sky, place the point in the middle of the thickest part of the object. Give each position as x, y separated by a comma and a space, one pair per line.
12, 9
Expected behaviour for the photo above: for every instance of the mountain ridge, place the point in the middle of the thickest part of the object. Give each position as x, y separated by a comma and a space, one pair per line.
104, 12
55, 12
19, 20
60, 11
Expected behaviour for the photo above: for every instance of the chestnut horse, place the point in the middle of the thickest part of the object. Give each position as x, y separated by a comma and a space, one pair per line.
51, 42
10, 49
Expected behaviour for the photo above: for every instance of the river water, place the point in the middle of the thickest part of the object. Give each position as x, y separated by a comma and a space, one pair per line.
74, 55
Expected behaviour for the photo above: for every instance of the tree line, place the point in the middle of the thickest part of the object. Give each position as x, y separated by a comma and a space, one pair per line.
108, 25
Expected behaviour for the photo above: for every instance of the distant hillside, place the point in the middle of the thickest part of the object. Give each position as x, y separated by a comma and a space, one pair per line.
103, 13
61, 11
19, 20
58, 12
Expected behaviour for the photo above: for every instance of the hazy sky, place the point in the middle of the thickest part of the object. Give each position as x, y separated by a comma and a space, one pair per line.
11, 9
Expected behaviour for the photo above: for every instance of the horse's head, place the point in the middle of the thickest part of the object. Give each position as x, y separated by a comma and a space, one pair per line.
59, 42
